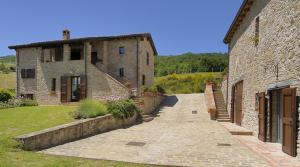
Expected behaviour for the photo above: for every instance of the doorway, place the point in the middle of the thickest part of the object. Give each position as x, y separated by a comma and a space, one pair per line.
276, 116
283, 119
237, 103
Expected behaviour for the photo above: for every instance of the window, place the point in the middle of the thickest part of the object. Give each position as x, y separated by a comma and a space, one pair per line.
75, 54
121, 72
148, 59
27, 73
122, 50
144, 80
53, 84
94, 57
256, 39
27, 96
58, 54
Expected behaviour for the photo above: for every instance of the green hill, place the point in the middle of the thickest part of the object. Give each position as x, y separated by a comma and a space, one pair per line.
186, 83
7, 64
190, 63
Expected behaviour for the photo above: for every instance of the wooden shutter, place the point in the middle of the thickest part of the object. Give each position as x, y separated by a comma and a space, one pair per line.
83, 86
262, 128
58, 54
289, 121
31, 73
64, 89
23, 73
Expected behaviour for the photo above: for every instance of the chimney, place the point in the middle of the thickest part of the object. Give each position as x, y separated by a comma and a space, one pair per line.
66, 34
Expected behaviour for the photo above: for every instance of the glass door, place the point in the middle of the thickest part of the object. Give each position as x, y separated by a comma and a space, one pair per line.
75, 94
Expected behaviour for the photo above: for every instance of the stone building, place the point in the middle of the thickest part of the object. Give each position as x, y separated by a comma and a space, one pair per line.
263, 83
67, 70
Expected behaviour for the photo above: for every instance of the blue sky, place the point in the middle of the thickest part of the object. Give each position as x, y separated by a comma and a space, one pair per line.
177, 26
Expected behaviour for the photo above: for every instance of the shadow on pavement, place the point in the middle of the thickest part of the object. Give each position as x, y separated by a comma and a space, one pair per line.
170, 101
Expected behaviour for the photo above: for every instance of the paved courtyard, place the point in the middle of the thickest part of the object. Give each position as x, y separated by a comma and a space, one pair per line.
176, 137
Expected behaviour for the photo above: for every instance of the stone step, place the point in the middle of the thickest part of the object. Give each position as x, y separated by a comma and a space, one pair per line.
146, 116
147, 119
224, 113
223, 120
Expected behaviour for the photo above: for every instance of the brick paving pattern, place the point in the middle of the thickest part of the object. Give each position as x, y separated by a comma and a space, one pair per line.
272, 152
176, 137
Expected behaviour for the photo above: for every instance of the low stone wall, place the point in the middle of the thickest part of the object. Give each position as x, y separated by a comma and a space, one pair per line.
148, 103
224, 89
210, 101
72, 131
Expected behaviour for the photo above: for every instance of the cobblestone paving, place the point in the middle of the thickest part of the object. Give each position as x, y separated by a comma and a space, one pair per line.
177, 137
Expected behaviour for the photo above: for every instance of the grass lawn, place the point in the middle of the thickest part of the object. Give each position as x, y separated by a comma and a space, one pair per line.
8, 81
22, 120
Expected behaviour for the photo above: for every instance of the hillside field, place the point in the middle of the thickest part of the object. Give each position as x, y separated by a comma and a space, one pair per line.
186, 83
8, 81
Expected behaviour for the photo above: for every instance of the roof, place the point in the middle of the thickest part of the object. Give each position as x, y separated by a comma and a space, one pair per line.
79, 40
244, 9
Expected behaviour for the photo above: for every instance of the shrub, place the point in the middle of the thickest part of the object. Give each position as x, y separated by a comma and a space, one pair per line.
5, 105
160, 89
153, 89
123, 108
90, 108
5, 95
29, 102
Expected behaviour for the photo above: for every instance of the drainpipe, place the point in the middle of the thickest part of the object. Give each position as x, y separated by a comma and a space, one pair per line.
85, 63
17, 73
137, 63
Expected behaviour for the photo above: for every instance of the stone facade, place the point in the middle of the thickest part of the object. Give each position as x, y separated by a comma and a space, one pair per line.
103, 78
274, 61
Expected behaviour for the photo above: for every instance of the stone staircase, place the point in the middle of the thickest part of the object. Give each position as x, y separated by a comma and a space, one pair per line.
222, 114
147, 118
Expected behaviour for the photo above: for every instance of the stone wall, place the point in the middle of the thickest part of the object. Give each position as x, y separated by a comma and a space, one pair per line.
224, 89
73, 131
147, 70
210, 101
134, 59
149, 103
278, 46
27, 59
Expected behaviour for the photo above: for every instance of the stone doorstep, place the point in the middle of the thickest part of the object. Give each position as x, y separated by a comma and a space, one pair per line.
235, 129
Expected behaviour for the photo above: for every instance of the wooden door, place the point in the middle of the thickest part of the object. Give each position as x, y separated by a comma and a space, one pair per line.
64, 89
232, 104
238, 103
289, 121
262, 128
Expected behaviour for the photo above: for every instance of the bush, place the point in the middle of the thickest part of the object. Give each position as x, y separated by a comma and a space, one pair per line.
123, 108
90, 108
29, 102
153, 89
11, 103
5, 95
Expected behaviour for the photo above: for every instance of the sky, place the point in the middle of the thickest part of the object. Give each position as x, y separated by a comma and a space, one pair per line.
177, 26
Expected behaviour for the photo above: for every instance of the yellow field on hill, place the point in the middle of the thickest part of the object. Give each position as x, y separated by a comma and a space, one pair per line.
8, 81
186, 83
